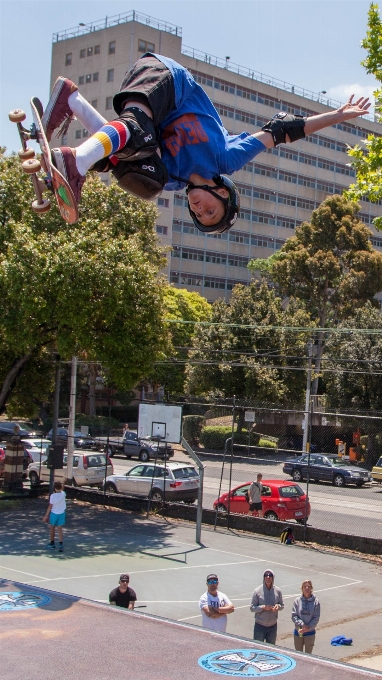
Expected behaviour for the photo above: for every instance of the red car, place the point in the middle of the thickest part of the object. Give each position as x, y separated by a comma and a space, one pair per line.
281, 500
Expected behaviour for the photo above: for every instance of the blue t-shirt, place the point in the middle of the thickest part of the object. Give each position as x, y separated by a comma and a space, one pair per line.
193, 138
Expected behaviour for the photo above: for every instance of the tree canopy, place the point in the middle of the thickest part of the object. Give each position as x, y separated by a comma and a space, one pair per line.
182, 309
354, 360
367, 158
92, 288
329, 265
245, 347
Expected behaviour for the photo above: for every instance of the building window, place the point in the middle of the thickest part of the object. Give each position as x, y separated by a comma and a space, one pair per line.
95, 77
110, 75
112, 47
88, 78
89, 51
85, 133
78, 134
161, 230
144, 46
68, 59
64, 140
82, 54
97, 49
81, 80
94, 103
164, 202
109, 103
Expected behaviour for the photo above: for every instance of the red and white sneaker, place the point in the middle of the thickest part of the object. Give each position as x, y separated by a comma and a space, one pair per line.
65, 161
58, 110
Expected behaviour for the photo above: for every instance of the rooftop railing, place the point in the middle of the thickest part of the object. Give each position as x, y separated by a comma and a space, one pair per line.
115, 20
268, 80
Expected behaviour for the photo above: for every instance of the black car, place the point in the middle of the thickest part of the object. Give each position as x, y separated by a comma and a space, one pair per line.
81, 441
8, 428
325, 468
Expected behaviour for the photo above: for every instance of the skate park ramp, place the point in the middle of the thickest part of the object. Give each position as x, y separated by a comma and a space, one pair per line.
45, 634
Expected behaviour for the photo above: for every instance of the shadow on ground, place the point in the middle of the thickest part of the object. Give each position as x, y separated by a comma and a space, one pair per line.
90, 530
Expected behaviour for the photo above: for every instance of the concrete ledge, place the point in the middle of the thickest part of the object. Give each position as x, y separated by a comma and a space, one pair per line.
368, 546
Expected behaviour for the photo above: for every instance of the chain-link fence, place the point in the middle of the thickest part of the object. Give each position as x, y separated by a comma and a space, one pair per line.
317, 466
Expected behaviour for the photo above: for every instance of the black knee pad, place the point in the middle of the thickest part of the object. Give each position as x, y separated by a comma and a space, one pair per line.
144, 178
143, 140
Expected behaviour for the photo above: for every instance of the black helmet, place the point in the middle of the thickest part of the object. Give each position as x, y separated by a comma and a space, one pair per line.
232, 204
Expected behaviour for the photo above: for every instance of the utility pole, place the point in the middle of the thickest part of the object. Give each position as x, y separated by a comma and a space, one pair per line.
56, 406
72, 418
307, 398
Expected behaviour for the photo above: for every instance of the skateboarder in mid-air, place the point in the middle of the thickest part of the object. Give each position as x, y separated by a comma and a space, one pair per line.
168, 135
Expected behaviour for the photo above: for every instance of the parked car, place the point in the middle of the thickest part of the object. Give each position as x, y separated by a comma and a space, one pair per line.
131, 445
326, 468
38, 448
281, 500
81, 441
172, 482
88, 470
7, 428
376, 472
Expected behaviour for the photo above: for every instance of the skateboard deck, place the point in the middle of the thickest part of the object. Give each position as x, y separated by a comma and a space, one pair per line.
54, 180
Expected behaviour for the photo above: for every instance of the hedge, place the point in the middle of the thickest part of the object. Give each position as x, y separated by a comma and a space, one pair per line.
192, 427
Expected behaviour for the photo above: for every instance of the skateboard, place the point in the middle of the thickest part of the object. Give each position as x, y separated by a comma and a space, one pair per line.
53, 181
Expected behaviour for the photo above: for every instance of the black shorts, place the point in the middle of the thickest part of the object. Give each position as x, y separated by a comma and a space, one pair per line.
255, 506
149, 82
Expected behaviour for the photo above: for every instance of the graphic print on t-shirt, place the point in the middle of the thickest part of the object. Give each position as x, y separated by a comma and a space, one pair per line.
183, 131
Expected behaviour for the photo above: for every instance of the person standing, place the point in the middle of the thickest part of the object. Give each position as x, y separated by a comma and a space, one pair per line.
215, 606
267, 601
305, 616
56, 516
254, 493
123, 595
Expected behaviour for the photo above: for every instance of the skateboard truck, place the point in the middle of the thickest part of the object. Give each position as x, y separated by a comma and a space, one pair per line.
30, 164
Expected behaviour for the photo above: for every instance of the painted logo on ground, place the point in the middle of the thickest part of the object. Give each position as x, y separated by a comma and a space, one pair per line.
16, 600
247, 663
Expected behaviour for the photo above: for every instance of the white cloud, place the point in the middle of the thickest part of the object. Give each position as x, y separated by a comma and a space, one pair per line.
342, 92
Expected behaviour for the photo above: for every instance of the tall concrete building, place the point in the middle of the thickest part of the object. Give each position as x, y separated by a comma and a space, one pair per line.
278, 190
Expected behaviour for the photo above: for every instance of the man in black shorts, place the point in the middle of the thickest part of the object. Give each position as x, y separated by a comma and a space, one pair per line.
123, 596
254, 493
168, 135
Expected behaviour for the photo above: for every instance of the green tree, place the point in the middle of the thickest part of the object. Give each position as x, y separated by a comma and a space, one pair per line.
329, 265
92, 288
182, 310
367, 159
246, 347
353, 377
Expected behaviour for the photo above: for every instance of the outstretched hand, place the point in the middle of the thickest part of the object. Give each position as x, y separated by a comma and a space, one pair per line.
353, 109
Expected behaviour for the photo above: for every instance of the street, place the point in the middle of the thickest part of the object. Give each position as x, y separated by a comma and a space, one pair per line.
348, 510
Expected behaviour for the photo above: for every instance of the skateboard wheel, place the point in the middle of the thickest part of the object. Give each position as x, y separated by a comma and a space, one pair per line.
26, 154
41, 207
16, 116
31, 166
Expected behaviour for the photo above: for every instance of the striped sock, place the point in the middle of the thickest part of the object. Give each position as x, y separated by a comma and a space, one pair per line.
108, 140
86, 113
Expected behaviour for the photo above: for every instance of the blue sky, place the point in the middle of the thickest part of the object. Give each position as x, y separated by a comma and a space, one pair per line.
314, 44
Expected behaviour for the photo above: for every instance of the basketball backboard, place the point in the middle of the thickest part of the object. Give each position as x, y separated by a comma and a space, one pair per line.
160, 420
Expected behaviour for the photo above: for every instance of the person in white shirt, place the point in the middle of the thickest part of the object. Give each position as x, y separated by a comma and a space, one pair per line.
215, 606
55, 515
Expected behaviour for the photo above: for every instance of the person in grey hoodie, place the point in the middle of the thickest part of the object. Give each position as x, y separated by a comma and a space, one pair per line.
267, 600
305, 616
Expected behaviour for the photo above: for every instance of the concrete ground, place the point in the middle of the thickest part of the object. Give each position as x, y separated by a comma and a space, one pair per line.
168, 571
